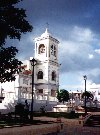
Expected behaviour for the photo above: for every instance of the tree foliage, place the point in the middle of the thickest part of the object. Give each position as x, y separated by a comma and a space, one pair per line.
9, 64
12, 24
12, 21
62, 95
88, 94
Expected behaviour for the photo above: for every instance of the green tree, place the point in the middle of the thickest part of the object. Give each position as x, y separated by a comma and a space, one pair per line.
12, 24
62, 95
88, 94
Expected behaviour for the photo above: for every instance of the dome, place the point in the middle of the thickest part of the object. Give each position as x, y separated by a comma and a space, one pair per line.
45, 34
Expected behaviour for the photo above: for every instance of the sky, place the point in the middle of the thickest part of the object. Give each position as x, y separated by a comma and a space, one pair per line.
76, 24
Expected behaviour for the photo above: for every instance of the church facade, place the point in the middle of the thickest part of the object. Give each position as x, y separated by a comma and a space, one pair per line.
46, 78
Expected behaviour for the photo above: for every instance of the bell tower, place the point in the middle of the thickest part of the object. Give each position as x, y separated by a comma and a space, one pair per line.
47, 67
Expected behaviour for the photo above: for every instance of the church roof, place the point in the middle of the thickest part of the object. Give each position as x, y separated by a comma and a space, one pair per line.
46, 35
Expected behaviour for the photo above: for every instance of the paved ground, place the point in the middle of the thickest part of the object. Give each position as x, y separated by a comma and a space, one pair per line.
70, 127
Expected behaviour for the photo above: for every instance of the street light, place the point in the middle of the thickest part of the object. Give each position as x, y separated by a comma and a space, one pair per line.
85, 78
72, 101
33, 63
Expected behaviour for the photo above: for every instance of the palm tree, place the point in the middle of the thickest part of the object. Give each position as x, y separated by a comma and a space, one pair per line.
89, 96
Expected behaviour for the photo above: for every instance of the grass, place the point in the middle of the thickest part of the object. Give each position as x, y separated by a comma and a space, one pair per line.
6, 121
5, 124
71, 115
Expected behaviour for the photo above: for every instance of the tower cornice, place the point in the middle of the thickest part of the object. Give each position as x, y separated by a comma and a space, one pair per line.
48, 61
47, 37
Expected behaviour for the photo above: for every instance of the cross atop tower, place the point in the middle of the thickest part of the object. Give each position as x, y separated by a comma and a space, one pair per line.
47, 26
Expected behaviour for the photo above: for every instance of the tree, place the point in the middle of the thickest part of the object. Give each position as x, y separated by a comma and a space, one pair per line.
62, 95
8, 64
19, 110
88, 94
12, 24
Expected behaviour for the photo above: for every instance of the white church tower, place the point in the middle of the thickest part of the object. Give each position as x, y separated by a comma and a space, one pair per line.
46, 75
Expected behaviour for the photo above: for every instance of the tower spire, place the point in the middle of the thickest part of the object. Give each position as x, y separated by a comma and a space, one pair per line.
47, 27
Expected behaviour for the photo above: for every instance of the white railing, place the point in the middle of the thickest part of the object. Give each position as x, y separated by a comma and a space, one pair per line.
52, 98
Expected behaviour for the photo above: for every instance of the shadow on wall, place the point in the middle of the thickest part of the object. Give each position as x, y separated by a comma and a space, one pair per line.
9, 107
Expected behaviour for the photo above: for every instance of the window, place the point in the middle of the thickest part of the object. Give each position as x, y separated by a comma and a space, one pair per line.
53, 93
40, 91
41, 48
53, 76
53, 50
40, 75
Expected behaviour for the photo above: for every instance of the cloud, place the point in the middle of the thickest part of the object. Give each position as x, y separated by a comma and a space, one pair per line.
91, 56
97, 51
78, 55
75, 23
94, 75
25, 46
63, 13
81, 34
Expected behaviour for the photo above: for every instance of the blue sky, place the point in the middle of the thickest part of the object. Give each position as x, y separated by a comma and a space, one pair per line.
76, 24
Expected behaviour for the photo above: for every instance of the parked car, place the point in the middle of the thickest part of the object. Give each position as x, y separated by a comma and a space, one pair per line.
92, 120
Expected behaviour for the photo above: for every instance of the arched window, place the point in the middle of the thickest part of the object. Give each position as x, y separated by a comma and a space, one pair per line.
53, 76
54, 51
41, 48
40, 75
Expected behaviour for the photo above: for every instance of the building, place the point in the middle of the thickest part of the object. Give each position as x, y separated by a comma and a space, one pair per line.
47, 67
46, 78
16, 91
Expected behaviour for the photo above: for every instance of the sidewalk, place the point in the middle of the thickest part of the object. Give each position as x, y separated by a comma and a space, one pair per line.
72, 127
30, 130
69, 127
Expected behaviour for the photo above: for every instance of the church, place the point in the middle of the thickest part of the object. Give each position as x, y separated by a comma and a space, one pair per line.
46, 78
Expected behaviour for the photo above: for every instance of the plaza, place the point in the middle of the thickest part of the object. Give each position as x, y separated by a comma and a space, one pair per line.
46, 79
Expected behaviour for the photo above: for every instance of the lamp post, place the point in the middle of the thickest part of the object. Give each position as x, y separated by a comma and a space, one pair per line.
85, 78
33, 63
72, 101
